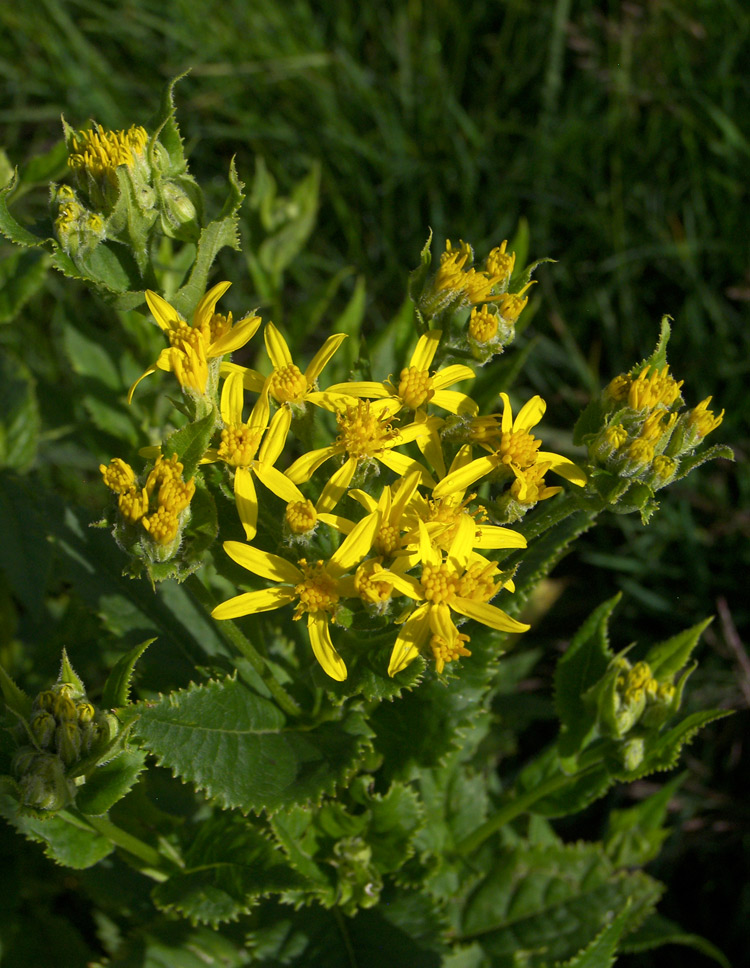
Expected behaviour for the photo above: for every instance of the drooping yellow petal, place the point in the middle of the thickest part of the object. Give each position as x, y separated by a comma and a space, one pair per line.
488, 614
251, 602
455, 402
336, 521
276, 347
246, 500
322, 646
362, 497
402, 465
493, 536
424, 354
564, 467
131, 391
324, 354
412, 636
253, 380
404, 493
277, 483
403, 583
263, 563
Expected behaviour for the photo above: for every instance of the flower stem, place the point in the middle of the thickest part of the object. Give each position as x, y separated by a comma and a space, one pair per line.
120, 838
521, 804
235, 637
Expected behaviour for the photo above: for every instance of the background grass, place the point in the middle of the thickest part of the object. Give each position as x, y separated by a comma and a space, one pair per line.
618, 133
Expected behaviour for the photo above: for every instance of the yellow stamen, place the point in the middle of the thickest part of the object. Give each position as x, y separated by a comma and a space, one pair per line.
162, 525
101, 152
301, 516
447, 650
364, 433
119, 476
482, 325
239, 445
649, 389
288, 384
133, 504
414, 387
317, 592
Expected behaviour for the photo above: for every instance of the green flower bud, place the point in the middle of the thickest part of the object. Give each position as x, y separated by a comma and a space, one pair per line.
43, 785
178, 213
65, 709
42, 728
23, 760
632, 752
68, 742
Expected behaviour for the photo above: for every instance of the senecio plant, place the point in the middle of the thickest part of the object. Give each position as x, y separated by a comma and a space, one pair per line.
357, 543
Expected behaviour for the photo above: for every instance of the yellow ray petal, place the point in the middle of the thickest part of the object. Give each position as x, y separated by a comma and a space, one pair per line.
306, 465
164, 314
336, 487
450, 375
493, 536
322, 646
455, 402
427, 345
232, 399
324, 354
564, 467
278, 483
356, 544
276, 347
273, 442
402, 465
251, 602
366, 390
131, 391
242, 332
507, 419
461, 545
411, 638
263, 563
465, 476
530, 414
246, 500
253, 380
207, 305
488, 614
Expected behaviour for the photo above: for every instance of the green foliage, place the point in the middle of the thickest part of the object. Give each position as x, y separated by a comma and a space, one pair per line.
239, 748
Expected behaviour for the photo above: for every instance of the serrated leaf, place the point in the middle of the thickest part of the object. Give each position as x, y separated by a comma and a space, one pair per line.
63, 842
22, 275
394, 819
9, 227
688, 464
667, 658
658, 358
175, 944
600, 953
657, 931
117, 687
227, 868
15, 698
238, 747
190, 443
69, 675
546, 904
166, 129
584, 663
110, 782
635, 835
578, 792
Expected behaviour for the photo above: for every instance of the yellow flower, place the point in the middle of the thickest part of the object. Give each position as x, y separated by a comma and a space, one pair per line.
288, 384
651, 388
101, 152
458, 582
241, 448
417, 387
701, 420
475, 286
192, 346
366, 433
314, 586
510, 446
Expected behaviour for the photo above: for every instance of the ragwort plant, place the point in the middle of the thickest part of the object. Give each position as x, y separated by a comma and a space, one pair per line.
362, 550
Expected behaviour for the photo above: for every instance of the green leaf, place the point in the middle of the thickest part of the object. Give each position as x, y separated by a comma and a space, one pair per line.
15, 698
584, 663
9, 227
227, 868
600, 953
395, 818
175, 944
166, 130
657, 931
576, 794
22, 275
667, 658
658, 358
635, 835
688, 464
117, 687
546, 904
70, 676
238, 747
110, 782
20, 422
63, 842
190, 443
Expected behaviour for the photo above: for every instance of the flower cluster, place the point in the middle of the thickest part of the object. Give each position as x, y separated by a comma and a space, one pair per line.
152, 513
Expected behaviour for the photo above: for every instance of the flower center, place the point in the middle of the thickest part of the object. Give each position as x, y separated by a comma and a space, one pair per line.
288, 384
239, 445
414, 387
317, 591
518, 447
482, 325
447, 649
363, 432
162, 525
650, 389
440, 583
369, 589
300, 516
478, 582
387, 541
101, 152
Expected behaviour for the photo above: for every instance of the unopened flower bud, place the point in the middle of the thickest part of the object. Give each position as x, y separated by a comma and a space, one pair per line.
68, 742
42, 727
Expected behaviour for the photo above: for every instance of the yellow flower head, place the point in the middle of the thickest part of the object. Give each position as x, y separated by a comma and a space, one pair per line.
119, 476
702, 421
101, 152
652, 388
192, 346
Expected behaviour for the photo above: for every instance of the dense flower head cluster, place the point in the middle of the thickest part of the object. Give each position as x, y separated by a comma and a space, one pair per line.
409, 527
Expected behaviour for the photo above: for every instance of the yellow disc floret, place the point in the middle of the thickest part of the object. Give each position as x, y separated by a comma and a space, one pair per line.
162, 525
119, 476
317, 591
239, 445
414, 387
702, 420
133, 504
440, 583
300, 516
369, 589
478, 581
101, 152
482, 325
447, 649
288, 384
518, 447
653, 387
363, 432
